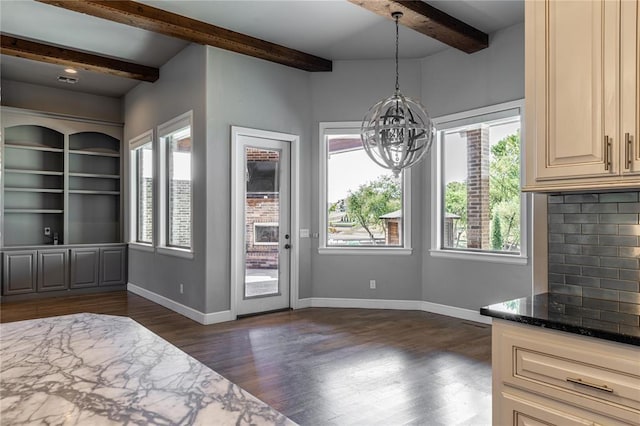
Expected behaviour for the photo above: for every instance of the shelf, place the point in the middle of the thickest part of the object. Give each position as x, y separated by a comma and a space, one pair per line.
34, 172
33, 147
7, 211
47, 190
94, 152
94, 175
89, 191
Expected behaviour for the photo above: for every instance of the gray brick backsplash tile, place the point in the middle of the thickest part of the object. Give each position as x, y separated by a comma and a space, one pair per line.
619, 285
629, 251
630, 330
581, 239
567, 228
619, 197
628, 319
600, 251
573, 290
599, 208
629, 275
618, 262
580, 218
618, 240
599, 272
600, 298
618, 218
556, 218
581, 198
566, 299
582, 260
563, 208
629, 230
600, 229
566, 269
630, 297
564, 248
594, 250
582, 280
566, 319
630, 308
588, 322
582, 312
556, 278
629, 208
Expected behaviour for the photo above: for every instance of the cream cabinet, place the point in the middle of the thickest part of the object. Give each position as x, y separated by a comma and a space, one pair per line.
547, 377
582, 94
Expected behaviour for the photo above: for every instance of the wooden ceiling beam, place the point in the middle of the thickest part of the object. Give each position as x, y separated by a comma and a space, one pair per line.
430, 21
160, 21
27, 49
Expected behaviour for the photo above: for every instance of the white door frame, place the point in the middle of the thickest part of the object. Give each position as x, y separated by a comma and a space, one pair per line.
237, 199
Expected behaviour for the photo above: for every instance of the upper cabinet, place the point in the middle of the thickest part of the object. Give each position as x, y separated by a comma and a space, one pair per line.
582, 94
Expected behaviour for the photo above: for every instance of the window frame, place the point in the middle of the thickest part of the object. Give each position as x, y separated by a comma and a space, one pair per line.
135, 145
437, 190
341, 127
164, 131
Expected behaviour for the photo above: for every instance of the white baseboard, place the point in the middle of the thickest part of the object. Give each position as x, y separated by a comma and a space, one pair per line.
407, 305
188, 312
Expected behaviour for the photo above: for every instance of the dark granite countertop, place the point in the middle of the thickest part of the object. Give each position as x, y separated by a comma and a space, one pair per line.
616, 321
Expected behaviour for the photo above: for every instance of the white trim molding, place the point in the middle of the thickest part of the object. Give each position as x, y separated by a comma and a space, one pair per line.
193, 314
400, 305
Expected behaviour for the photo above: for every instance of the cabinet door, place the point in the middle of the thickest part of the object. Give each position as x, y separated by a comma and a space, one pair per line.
19, 272
85, 267
575, 60
113, 262
518, 411
53, 270
630, 85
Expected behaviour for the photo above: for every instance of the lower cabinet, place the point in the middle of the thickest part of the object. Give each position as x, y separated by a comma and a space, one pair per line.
60, 268
19, 272
548, 377
85, 267
53, 270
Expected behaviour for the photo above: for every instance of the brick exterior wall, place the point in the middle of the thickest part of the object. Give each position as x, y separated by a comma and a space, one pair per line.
393, 232
594, 252
145, 213
180, 213
261, 208
478, 218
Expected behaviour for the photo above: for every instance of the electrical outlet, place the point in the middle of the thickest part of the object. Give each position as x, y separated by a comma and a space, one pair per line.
181, 288
47, 231
372, 284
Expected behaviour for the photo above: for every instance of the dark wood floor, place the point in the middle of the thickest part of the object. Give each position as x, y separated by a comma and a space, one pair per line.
323, 366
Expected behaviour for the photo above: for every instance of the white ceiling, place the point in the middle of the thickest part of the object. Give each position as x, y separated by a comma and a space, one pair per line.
332, 29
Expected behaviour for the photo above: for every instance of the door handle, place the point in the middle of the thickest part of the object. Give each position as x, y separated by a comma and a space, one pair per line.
627, 139
607, 147
287, 246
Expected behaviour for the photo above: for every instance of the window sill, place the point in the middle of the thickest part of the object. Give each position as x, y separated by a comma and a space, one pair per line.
480, 257
141, 247
173, 251
366, 251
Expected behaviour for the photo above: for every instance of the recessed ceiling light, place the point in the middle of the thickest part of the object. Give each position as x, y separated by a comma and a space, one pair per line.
70, 71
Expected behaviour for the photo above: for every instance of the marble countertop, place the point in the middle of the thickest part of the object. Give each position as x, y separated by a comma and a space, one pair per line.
89, 369
615, 321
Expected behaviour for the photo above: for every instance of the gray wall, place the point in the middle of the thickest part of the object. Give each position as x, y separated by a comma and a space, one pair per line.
179, 89
346, 95
454, 82
249, 92
50, 99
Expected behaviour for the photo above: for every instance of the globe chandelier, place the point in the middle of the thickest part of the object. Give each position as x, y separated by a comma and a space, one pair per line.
397, 131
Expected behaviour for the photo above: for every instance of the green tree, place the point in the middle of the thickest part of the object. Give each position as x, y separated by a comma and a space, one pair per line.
455, 200
372, 200
496, 233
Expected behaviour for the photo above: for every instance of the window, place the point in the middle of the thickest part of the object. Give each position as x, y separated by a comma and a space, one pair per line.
476, 163
362, 204
142, 189
176, 183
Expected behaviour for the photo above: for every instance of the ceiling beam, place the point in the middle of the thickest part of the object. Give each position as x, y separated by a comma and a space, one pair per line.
160, 21
27, 49
430, 21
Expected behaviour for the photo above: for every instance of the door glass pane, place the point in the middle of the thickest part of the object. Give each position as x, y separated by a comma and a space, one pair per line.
179, 189
144, 169
262, 222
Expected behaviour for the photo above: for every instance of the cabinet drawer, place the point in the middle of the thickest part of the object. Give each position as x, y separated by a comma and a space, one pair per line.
588, 380
601, 377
